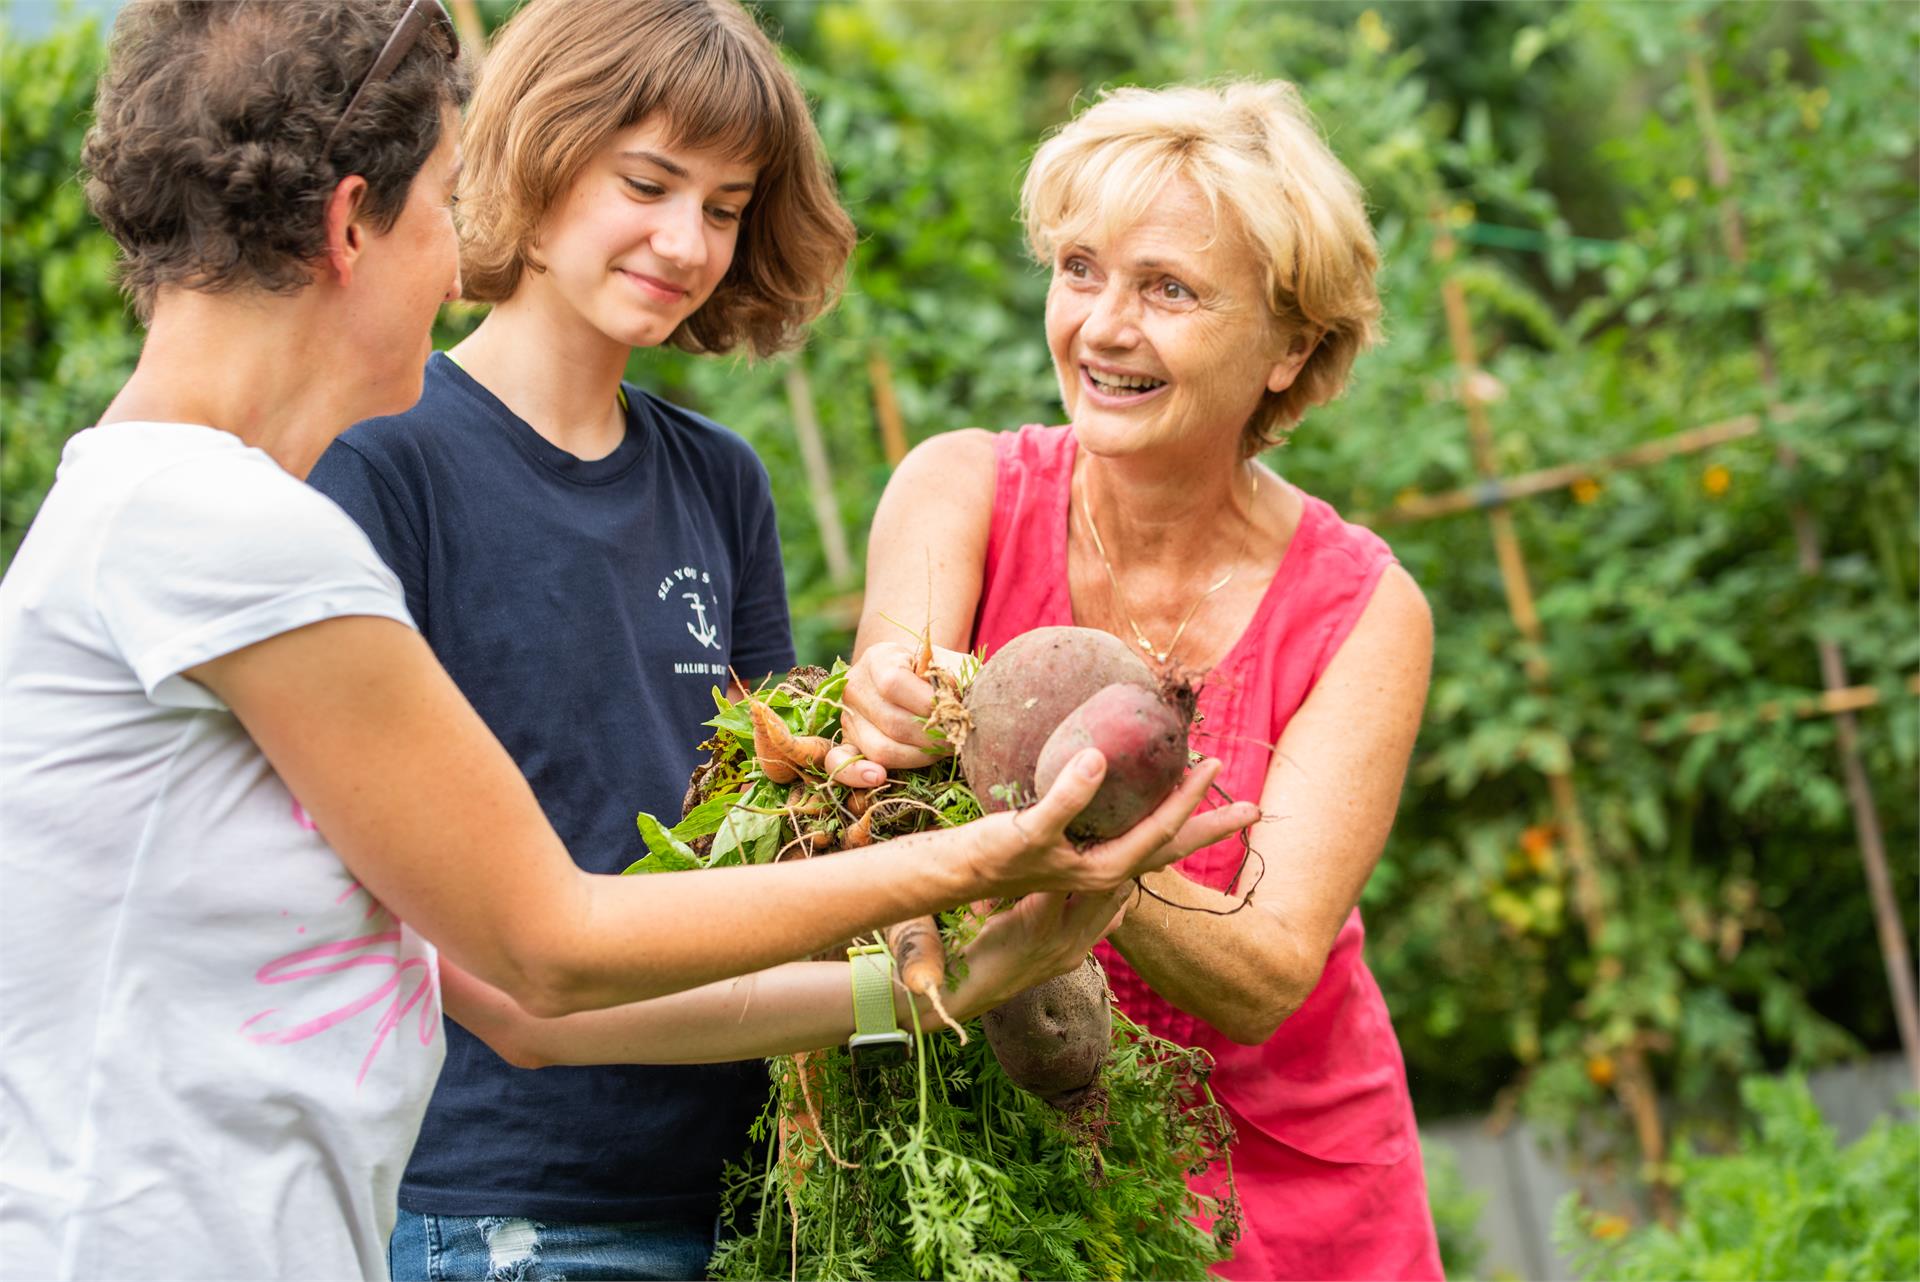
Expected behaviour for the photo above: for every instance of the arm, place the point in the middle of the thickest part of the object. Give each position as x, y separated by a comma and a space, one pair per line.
430, 813
797, 1007
925, 559
1327, 805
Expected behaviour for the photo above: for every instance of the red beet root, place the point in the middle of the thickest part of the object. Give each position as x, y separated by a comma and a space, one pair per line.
1145, 743
1023, 691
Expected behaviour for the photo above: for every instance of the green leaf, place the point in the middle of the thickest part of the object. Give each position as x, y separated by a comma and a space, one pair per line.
747, 836
705, 817
665, 852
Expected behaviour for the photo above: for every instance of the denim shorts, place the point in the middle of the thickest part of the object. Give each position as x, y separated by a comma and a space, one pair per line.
501, 1248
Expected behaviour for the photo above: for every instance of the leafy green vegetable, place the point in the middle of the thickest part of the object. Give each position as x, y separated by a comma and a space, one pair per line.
665, 852
1791, 1203
962, 1175
705, 818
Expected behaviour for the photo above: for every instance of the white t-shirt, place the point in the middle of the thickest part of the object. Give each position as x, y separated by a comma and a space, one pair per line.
215, 1046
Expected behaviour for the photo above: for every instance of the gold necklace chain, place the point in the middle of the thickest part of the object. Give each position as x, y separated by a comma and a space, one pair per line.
1157, 654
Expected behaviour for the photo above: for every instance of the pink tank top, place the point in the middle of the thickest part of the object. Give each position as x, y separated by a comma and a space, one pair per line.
1330, 1083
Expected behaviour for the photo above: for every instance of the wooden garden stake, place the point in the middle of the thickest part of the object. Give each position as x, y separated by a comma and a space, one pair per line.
473, 32
886, 408
813, 457
1633, 1082
1833, 668
1493, 493
1830, 703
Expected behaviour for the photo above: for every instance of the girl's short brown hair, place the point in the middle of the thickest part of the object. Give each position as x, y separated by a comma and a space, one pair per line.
565, 75
207, 160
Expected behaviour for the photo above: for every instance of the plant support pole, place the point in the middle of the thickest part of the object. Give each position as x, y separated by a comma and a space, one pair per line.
1414, 506
813, 457
473, 32
886, 407
1833, 668
1633, 1084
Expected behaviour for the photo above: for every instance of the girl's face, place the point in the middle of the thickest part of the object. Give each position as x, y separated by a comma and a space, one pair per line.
644, 235
1163, 337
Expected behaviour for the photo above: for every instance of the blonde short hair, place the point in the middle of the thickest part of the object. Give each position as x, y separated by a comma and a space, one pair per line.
1256, 156
565, 75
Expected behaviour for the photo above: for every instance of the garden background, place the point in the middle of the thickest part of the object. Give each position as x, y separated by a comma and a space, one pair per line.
1626, 872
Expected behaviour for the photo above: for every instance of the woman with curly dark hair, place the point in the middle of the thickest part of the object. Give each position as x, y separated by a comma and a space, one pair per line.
247, 823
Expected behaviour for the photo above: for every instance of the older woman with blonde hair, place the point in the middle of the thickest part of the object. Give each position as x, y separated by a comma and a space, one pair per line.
1212, 280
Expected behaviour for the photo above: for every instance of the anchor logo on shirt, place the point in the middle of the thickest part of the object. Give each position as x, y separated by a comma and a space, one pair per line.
705, 633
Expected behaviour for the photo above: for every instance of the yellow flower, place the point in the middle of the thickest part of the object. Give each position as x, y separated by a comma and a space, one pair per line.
1684, 187
1373, 32
1608, 1227
1586, 490
1716, 480
1461, 214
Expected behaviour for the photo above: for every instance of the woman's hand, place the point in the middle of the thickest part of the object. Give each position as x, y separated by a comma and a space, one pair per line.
1021, 851
1030, 942
886, 704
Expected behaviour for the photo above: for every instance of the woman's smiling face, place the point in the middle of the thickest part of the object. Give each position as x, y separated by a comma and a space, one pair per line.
1163, 335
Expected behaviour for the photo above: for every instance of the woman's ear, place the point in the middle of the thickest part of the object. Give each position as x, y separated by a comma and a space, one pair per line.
1284, 371
346, 235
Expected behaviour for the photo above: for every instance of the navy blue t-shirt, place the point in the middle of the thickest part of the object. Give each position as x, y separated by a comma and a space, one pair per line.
586, 609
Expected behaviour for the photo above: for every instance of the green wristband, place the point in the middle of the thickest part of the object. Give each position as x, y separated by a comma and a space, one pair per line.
876, 1032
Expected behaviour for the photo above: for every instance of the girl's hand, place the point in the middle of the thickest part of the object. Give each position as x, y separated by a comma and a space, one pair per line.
1020, 851
1030, 942
886, 705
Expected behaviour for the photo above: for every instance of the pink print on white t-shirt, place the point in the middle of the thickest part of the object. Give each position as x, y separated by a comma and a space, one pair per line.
407, 982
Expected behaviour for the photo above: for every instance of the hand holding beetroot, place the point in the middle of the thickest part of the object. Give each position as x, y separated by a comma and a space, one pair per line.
1025, 850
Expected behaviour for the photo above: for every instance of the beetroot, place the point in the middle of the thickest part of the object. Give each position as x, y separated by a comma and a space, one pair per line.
1027, 688
1052, 1039
1145, 742
1042, 698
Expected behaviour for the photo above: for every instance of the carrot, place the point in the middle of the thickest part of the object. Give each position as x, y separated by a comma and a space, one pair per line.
922, 962
781, 753
858, 833
804, 801
923, 661
808, 1072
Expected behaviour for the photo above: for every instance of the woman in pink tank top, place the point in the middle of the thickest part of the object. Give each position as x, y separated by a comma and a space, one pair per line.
1212, 280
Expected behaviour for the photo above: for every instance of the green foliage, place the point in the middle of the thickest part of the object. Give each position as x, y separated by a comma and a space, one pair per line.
962, 1175
66, 338
1456, 1212
1735, 923
1789, 1204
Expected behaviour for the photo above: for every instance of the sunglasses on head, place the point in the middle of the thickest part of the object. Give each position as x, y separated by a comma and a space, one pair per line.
419, 15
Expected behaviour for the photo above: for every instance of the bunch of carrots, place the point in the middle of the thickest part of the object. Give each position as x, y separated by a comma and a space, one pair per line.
919, 955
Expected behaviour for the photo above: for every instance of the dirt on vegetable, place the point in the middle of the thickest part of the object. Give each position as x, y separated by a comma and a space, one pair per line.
1052, 1039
